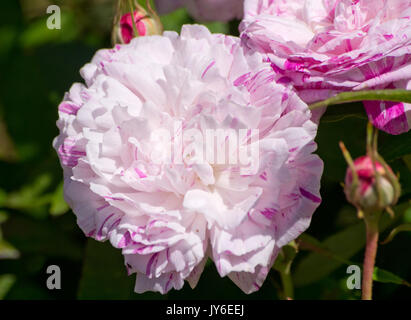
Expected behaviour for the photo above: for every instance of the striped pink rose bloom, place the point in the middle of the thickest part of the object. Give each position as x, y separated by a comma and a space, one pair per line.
169, 217
324, 47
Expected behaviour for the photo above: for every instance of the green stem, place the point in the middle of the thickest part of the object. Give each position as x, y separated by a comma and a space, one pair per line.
371, 224
130, 3
287, 283
396, 95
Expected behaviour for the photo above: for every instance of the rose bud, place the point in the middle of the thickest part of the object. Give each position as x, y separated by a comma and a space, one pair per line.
371, 188
144, 24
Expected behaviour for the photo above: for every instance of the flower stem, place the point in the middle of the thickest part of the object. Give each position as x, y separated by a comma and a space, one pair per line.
133, 21
397, 95
369, 258
287, 283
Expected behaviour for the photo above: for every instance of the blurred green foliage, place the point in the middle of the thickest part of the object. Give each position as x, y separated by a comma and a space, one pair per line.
37, 229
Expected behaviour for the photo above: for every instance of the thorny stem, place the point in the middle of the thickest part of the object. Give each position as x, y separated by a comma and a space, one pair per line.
371, 218
371, 224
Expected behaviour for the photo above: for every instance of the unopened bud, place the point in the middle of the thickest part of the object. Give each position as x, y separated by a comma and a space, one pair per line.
375, 189
142, 24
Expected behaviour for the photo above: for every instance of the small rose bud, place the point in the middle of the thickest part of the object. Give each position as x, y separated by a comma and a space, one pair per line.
144, 24
365, 194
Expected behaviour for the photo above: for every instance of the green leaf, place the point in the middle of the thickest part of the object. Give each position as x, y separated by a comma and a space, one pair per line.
379, 275
396, 95
341, 246
58, 204
31, 196
384, 276
38, 34
6, 282
218, 27
407, 215
7, 251
394, 232
3, 217
174, 20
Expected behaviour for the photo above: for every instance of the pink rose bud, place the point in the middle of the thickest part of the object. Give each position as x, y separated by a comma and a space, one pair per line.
364, 194
144, 24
